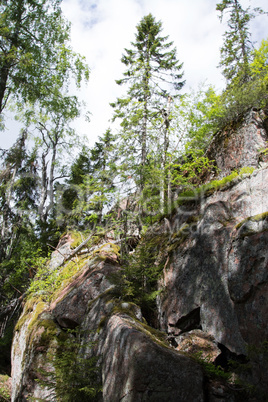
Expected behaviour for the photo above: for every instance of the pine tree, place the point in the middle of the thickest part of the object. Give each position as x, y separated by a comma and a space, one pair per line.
237, 46
153, 74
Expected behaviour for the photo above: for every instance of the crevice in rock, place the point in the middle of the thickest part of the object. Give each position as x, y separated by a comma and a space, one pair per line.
151, 316
227, 358
132, 242
206, 390
265, 125
66, 323
172, 341
190, 321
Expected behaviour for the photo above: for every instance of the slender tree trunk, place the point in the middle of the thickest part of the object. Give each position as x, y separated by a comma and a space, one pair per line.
242, 42
44, 184
3, 85
165, 186
51, 177
144, 133
144, 142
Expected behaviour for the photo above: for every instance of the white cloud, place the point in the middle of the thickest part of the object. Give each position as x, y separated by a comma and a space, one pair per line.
101, 29
102, 32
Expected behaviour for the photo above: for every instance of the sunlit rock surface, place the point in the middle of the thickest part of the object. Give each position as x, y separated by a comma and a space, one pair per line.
213, 298
240, 145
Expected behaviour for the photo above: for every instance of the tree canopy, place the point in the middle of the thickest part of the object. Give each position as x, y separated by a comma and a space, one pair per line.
51, 181
34, 43
236, 51
153, 75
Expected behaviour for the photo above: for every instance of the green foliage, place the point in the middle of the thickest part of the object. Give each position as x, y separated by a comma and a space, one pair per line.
90, 190
236, 50
259, 68
34, 41
198, 114
19, 270
76, 377
5, 394
20, 243
211, 370
242, 95
36, 66
142, 270
152, 71
239, 99
193, 171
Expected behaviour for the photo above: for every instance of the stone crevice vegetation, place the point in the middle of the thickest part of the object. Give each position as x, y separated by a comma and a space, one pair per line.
139, 264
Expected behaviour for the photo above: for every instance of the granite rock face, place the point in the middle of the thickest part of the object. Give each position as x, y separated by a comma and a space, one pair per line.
240, 146
218, 274
146, 371
213, 297
220, 269
135, 364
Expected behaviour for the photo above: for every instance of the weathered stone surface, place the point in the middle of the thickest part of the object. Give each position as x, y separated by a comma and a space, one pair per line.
135, 367
217, 391
145, 370
29, 354
214, 299
237, 147
61, 253
219, 270
70, 307
198, 342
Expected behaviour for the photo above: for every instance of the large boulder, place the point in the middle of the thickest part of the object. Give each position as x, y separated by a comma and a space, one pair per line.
137, 367
217, 275
137, 364
240, 145
212, 301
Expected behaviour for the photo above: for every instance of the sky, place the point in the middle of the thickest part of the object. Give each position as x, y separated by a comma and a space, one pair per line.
101, 29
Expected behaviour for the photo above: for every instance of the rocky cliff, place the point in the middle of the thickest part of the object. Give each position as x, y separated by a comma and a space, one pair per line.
210, 319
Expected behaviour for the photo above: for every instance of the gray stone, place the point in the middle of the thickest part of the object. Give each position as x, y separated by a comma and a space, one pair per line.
145, 370
220, 265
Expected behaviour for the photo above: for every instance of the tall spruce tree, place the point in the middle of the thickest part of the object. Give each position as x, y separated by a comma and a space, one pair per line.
237, 47
153, 74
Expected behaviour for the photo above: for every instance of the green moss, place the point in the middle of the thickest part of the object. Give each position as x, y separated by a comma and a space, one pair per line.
28, 308
67, 275
179, 237
77, 238
211, 371
50, 331
158, 337
246, 170
128, 309
102, 323
47, 285
192, 194
39, 308
114, 249
254, 218
263, 151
